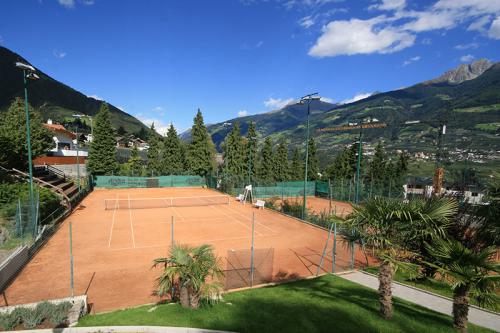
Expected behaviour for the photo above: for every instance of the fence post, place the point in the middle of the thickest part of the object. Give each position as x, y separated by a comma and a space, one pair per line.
334, 249
172, 231
251, 250
324, 249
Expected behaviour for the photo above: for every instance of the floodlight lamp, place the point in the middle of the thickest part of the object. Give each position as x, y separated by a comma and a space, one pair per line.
25, 66
32, 76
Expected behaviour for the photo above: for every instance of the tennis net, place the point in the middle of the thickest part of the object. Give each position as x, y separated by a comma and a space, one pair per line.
145, 203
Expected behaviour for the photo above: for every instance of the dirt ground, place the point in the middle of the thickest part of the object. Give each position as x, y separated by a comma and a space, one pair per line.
113, 249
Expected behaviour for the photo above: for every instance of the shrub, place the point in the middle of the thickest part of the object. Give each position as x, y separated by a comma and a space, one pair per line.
8, 322
18, 314
60, 313
45, 309
32, 318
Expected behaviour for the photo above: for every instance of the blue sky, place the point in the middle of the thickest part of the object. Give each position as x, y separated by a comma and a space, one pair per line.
161, 60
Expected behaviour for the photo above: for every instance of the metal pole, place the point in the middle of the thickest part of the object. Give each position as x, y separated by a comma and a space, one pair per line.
324, 250
307, 156
77, 162
172, 231
358, 166
28, 143
251, 251
72, 283
334, 249
329, 197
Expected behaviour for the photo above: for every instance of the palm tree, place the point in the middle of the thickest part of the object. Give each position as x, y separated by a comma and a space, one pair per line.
188, 268
385, 226
472, 273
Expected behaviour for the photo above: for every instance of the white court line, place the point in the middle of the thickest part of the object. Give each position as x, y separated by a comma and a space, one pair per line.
112, 222
256, 222
235, 219
131, 226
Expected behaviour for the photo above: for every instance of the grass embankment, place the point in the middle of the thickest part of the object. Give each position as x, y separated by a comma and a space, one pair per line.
325, 304
433, 285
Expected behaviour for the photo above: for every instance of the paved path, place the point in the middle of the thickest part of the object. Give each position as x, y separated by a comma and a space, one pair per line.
428, 300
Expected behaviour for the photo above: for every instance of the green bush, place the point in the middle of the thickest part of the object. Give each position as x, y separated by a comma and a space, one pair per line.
45, 309
60, 313
8, 322
32, 318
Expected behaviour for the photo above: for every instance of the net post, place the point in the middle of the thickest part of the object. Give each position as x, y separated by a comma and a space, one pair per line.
172, 231
72, 282
252, 251
324, 250
334, 249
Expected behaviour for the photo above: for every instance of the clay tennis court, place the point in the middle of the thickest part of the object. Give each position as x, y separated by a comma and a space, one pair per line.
113, 249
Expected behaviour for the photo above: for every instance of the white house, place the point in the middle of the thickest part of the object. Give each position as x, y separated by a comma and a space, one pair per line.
63, 140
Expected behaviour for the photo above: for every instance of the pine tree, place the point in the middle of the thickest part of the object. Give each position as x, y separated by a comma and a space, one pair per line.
312, 161
251, 157
281, 171
378, 165
402, 164
267, 161
173, 154
154, 165
201, 150
296, 166
234, 163
14, 150
135, 162
102, 154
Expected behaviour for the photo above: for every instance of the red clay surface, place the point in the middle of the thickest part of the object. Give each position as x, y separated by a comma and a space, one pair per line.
114, 249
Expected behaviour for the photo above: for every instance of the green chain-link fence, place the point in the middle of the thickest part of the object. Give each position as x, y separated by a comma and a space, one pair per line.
146, 182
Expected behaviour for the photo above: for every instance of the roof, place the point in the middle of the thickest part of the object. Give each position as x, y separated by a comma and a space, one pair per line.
61, 129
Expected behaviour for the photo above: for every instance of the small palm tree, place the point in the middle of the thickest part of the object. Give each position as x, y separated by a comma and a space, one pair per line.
385, 226
472, 273
189, 269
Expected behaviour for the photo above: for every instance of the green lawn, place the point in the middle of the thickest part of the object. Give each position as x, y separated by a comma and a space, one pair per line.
325, 304
432, 285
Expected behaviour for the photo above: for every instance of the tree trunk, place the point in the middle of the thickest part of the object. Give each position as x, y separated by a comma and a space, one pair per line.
194, 299
184, 296
461, 308
384, 289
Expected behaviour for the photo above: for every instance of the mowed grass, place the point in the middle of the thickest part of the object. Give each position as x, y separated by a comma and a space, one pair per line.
433, 285
325, 304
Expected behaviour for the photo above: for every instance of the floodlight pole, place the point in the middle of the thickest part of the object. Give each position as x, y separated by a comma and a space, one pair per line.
358, 165
28, 143
308, 98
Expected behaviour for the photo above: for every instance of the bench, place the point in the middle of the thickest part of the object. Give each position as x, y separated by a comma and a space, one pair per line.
259, 204
240, 197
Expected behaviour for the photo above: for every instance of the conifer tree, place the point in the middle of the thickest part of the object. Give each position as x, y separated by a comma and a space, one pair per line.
281, 171
402, 164
201, 150
234, 154
102, 153
154, 165
378, 165
267, 161
173, 154
296, 166
312, 161
135, 162
251, 157
14, 151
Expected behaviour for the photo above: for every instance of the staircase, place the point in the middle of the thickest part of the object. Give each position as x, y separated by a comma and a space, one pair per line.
51, 178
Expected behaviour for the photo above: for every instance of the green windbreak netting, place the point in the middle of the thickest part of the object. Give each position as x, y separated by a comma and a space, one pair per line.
138, 182
281, 189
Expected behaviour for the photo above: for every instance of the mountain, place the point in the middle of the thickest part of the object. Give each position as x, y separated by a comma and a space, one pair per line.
463, 72
54, 99
469, 108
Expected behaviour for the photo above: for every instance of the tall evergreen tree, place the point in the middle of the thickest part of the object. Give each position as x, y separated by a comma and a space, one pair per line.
234, 153
14, 151
267, 161
154, 165
201, 150
135, 162
173, 154
402, 164
102, 153
377, 168
251, 157
312, 161
296, 166
281, 171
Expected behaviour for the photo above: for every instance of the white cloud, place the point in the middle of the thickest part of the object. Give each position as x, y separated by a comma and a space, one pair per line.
467, 58
480, 24
430, 20
494, 31
58, 54
357, 97
277, 103
307, 22
160, 126
327, 100
411, 60
95, 97
426, 41
242, 113
259, 44
389, 5
121, 108
67, 3
466, 46
474, 7
87, 2
360, 37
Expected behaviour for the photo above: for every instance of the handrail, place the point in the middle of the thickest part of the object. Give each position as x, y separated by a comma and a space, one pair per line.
61, 192
55, 170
